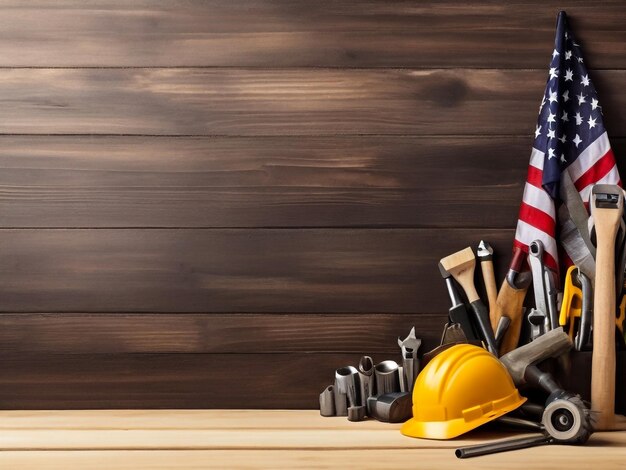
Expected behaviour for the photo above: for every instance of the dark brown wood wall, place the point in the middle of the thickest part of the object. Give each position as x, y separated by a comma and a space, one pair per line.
217, 203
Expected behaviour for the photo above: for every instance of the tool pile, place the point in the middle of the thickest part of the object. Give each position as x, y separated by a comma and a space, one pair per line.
381, 391
507, 348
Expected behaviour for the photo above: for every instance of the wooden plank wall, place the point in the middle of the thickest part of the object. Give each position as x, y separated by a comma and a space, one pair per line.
217, 203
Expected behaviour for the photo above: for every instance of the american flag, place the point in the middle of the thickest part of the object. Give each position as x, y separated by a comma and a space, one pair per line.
569, 137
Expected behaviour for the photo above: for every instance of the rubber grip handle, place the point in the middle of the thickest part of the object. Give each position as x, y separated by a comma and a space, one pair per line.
483, 323
489, 279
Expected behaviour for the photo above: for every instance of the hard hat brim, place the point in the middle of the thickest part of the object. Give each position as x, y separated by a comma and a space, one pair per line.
455, 427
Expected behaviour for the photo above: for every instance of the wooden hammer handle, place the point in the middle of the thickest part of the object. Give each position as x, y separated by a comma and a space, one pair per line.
603, 358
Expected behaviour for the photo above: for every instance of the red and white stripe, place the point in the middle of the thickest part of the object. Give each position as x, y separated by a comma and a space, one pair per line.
537, 217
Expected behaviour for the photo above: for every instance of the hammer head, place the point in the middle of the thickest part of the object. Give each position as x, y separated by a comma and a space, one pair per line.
551, 344
459, 262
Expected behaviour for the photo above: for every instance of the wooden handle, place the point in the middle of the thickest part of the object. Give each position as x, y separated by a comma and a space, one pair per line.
465, 278
490, 286
509, 303
603, 358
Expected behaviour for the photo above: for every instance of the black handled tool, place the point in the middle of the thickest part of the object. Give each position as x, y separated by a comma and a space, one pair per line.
458, 312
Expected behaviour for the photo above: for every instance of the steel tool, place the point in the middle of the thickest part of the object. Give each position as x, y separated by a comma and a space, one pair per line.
453, 333
561, 423
565, 420
503, 325
521, 364
458, 312
390, 407
510, 301
341, 402
409, 347
461, 266
543, 285
538, 323
485, 255
366, 379
521, 361
387, 377
607, 207
327, 402
347, 382
573, 228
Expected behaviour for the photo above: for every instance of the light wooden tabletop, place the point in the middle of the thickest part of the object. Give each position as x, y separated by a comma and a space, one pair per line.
201, 439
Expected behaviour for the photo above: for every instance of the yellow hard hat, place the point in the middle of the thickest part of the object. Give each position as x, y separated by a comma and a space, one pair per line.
458, 390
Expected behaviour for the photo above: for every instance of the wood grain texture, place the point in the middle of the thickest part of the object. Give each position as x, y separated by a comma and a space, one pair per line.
102, 381
261, 182
300, 33
184, 101
112, 333
272, 271
605, 451
375, 181
251, 439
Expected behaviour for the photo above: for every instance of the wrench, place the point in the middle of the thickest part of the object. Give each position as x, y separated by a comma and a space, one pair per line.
410, 363
543, 287
538, 321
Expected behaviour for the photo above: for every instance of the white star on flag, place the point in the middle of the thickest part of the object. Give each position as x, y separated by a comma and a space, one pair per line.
579, 119
563, 146
553, 98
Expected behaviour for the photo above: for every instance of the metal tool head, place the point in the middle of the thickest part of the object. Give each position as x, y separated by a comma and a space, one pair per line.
410, 345
522, 280
539, 323
552, 344
391, 407
606, 196
366, 366
484, 251
536, 249
445, 274
347, 381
